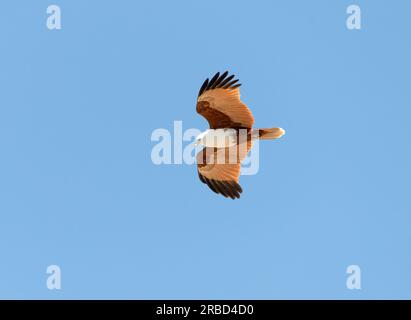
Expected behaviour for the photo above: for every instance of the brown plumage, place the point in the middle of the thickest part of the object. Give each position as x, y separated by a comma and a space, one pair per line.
219, 102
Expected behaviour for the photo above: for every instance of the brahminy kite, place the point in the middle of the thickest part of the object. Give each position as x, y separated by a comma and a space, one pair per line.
230, 137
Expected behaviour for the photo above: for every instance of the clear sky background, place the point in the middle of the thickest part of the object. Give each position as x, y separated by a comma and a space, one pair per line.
78, 187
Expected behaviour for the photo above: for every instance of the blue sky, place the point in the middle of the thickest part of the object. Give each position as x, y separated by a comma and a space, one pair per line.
78, 187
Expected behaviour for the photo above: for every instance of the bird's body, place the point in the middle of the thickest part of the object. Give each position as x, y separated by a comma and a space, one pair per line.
230, 137
219, 138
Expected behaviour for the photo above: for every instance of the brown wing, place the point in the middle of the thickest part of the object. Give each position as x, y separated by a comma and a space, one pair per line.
219, 102
219, 168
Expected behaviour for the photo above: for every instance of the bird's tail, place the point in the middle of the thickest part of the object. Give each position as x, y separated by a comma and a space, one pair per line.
269, 133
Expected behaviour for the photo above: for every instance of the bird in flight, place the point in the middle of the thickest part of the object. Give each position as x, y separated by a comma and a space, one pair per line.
230, 137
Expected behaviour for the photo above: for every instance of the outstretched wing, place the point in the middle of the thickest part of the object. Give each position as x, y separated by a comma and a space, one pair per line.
219, 102
219, 168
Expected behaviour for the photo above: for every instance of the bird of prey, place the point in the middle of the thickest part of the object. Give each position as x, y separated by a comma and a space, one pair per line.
230, 136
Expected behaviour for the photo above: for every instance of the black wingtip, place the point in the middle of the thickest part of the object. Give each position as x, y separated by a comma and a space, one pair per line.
230, 84
203, 87
213, 80
219, 81
228, 189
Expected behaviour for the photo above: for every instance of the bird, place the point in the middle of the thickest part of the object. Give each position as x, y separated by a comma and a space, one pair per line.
230, 137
